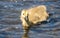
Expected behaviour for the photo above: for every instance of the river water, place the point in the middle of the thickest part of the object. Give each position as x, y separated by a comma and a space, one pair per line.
10, 24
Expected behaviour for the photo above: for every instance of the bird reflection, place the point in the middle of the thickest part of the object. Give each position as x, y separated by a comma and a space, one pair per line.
25, 36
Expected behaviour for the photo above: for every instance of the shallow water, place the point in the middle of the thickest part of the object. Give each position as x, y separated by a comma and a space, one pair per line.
10, 24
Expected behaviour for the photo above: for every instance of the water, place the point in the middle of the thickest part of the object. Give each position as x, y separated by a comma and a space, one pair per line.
10, 24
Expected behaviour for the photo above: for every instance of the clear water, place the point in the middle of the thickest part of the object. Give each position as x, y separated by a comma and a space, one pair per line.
10, 24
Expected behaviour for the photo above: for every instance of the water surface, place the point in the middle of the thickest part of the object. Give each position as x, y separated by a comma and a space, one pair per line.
10, 24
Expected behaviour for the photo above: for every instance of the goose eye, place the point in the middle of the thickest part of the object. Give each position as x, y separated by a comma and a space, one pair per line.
23, 13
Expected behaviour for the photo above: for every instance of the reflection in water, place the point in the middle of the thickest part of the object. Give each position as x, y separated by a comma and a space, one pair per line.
25, 36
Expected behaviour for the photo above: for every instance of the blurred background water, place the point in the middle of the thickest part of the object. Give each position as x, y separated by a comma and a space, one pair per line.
10, 24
